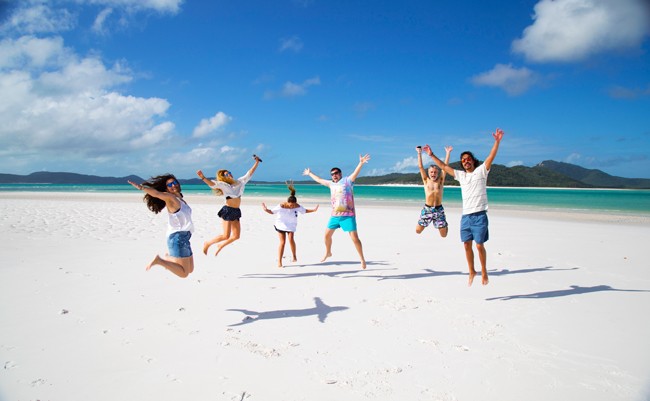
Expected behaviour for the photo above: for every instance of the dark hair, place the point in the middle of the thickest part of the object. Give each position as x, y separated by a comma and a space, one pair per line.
470, 154
159, 183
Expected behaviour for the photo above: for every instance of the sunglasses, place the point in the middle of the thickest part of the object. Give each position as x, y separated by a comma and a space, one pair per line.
171, 184
335, 172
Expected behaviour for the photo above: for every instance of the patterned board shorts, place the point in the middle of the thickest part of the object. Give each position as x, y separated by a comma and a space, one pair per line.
435, 214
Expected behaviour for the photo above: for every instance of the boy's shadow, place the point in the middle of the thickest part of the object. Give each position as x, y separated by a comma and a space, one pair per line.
321, 310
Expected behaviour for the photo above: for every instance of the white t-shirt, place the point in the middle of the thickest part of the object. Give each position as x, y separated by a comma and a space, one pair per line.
287, 219
473, 188
232, 191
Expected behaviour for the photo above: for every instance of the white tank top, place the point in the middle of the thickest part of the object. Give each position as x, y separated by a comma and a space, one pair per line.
181, 220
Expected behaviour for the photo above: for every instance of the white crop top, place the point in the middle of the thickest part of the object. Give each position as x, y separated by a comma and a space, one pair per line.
232, 191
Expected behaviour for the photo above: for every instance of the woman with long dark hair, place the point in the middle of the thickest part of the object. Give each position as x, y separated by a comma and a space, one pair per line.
164, 192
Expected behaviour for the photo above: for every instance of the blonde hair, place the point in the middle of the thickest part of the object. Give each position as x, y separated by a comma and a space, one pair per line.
221, 176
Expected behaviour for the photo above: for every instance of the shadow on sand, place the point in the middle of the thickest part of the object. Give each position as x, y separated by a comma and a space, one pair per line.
321, 310
572, 290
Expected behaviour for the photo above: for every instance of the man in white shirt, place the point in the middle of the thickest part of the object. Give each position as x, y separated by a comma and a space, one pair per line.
473, 185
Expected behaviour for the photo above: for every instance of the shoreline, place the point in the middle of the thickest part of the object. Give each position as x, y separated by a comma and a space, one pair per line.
532, 212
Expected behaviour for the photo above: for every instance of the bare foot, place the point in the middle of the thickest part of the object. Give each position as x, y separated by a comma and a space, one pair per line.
153, 262
205, 247
294, 260
219, 248
327, 255
472, 274
484, 279
280, 265
363, 264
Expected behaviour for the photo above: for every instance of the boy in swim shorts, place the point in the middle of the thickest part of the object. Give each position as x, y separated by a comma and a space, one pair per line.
433, 179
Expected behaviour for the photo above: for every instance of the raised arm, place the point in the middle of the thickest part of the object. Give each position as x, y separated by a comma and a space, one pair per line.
362, 160
316, 178
448, 150
168, 198
311, 210
204, 178
266, 209
257, 163
498, 135
423, 172
443, 166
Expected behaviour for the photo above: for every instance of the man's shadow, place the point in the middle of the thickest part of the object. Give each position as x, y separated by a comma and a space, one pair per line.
436, 273
573, 290
321, 310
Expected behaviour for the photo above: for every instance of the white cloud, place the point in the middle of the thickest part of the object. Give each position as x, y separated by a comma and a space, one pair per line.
31, 17
98, 25
407, 165
31, 52
619, 92
57, 103
572, 30
209, 125
514, 163
514, 81
161, 6
291, 89
293, 43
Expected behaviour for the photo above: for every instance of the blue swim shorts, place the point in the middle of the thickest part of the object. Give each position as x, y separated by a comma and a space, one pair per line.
347, 223
474, 227
178, 244
230, 213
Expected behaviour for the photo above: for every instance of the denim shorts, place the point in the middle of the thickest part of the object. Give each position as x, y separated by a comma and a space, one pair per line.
347, 223
178, 244
474, 227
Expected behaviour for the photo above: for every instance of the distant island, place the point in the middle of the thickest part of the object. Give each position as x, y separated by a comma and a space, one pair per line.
548, 173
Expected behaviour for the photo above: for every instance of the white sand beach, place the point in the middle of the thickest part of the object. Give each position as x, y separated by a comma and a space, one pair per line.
563, 317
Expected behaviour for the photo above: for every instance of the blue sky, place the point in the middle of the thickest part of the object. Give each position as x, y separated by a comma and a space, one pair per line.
119, 87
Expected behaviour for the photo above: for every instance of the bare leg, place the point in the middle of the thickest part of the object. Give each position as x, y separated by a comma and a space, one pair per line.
469, 255
283, 239
328, 244
357, 244
182, 267
235, 227
418, 229
225, 234
482, 256
292, 244
443, 231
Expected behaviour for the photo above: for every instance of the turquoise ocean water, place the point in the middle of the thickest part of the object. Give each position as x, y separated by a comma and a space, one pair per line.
626, 201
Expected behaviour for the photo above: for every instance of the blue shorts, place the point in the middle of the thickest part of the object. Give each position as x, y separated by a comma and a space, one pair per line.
178, 244
347, 223
474, 227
